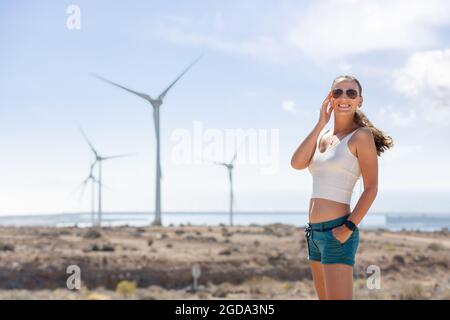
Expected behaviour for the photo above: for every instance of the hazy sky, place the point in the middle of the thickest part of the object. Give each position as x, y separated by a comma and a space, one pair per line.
267, 67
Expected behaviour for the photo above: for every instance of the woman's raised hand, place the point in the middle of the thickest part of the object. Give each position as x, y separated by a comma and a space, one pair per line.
326, 110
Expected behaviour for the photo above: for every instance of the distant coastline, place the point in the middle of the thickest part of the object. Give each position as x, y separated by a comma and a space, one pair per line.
376, 220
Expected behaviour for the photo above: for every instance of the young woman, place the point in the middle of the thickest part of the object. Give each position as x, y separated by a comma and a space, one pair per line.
336, 159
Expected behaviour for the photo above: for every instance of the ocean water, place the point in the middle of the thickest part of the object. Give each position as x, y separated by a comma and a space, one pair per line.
393, 222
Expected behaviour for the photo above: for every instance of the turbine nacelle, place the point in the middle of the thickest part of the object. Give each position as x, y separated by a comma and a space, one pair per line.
156, 103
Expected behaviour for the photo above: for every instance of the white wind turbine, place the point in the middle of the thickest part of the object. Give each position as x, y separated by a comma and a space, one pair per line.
98, 160
156, 104
230, 167
83, 185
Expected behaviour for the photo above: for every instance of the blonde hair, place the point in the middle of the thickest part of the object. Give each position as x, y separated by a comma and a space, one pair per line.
382, 141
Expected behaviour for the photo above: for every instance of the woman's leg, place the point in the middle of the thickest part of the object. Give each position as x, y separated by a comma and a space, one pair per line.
319, 279
338, 281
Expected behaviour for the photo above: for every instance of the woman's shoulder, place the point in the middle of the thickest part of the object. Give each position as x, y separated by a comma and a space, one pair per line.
361, 137
363, 134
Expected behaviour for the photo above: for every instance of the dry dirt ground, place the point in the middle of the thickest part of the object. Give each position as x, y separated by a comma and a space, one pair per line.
251, 262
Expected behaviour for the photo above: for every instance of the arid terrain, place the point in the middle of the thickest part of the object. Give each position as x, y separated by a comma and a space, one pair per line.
251, 262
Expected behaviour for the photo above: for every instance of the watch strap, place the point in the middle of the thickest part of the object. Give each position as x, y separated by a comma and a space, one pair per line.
350, 225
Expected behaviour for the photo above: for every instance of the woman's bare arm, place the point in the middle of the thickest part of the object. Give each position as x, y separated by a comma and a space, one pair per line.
368, 162
304, 153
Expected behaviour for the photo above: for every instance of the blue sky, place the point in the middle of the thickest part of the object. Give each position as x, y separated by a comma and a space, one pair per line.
267, 67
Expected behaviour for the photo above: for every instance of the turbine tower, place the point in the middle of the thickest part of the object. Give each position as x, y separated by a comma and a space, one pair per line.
230, 167
98, 160
156, 104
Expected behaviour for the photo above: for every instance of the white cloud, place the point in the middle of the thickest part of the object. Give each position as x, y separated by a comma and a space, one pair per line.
399, 118
219, 22
321, 30
289, 106
425, 79
344, 66
400, 153
330, 29
261, 46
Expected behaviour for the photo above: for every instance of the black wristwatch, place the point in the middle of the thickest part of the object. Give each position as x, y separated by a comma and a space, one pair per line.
350, 225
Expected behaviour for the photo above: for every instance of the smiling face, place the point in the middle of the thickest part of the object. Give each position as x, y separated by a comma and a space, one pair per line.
343, 104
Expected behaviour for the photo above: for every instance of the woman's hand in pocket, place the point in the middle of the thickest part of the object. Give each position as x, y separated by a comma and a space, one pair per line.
341, 233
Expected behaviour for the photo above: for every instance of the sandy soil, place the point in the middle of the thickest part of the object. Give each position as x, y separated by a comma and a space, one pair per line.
256, 262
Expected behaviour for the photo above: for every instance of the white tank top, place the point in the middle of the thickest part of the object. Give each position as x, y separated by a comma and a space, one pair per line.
334, 171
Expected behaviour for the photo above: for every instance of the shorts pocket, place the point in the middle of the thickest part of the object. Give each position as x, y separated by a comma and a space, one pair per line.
351, 238
330, 232
352, 243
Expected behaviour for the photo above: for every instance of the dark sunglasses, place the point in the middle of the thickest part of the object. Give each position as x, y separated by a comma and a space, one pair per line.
351, 93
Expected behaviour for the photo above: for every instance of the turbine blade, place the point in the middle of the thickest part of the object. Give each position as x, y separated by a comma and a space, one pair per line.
119, 156
106, 186
82, 193
220, 163
83, 188
91, 170
234, 157
142, 95
163, 94
77, 188
235, 153
87, 140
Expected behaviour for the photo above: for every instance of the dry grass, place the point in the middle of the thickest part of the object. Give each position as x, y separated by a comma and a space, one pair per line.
435, 246
126, 289
413, 291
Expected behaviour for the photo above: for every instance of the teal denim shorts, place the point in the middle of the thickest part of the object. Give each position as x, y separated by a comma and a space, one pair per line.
325, 248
